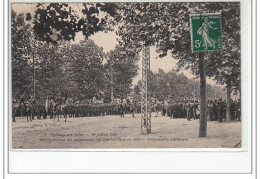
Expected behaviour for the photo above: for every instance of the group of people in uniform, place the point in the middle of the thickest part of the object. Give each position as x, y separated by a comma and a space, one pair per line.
190, 109
217, 110
181, 109
59, 107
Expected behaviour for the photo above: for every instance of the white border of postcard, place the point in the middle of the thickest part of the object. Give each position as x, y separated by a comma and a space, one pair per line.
144, 160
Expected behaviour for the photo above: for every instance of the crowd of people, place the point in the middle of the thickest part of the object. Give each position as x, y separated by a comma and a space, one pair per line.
58, 108
189, 109
217, 110
182, 109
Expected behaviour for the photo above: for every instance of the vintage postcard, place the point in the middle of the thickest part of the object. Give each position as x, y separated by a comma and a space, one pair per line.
125, 75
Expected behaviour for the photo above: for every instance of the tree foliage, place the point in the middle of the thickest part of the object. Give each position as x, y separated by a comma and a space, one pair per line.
123, 63
64, 68
226, 63
86, 68
54, 22
167, 26
70, 70
176, 86
50, 79
21, 56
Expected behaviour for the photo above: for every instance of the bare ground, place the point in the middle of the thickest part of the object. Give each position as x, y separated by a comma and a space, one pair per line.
116, 132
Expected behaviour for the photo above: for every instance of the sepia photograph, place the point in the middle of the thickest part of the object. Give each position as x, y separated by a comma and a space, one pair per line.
125, 75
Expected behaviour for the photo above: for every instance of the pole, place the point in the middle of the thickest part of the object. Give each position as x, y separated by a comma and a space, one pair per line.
203, 97
145, 103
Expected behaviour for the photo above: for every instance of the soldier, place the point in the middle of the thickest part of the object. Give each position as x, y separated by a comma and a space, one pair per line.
179, 107
77, 110
210, 111
215, 110
22, 105
238, 111
39, 110
232, 109
192, 115
91, 108
94, 109
189, 111
184, 109
13, 110
220, 106
122, 110
194, 109
224, 103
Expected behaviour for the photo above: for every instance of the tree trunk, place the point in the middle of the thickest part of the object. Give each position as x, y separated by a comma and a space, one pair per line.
228, 111
203, 97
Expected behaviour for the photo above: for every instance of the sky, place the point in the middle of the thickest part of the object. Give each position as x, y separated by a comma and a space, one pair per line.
108, 42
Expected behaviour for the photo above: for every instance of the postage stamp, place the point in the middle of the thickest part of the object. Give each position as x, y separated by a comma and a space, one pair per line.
206, 32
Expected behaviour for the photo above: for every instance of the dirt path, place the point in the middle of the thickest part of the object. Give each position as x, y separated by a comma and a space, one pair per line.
116, 132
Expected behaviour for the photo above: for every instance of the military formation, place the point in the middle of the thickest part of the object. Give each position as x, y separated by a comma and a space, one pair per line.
61, 108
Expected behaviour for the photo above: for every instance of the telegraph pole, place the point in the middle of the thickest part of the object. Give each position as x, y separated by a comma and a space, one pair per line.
145, 101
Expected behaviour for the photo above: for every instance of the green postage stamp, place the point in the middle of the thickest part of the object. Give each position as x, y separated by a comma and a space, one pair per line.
205, 32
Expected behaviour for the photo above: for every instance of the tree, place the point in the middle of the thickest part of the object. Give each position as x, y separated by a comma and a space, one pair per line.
49, 64
176, 86
21, 56
68, 70
86, 69
58, 22
123, 64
